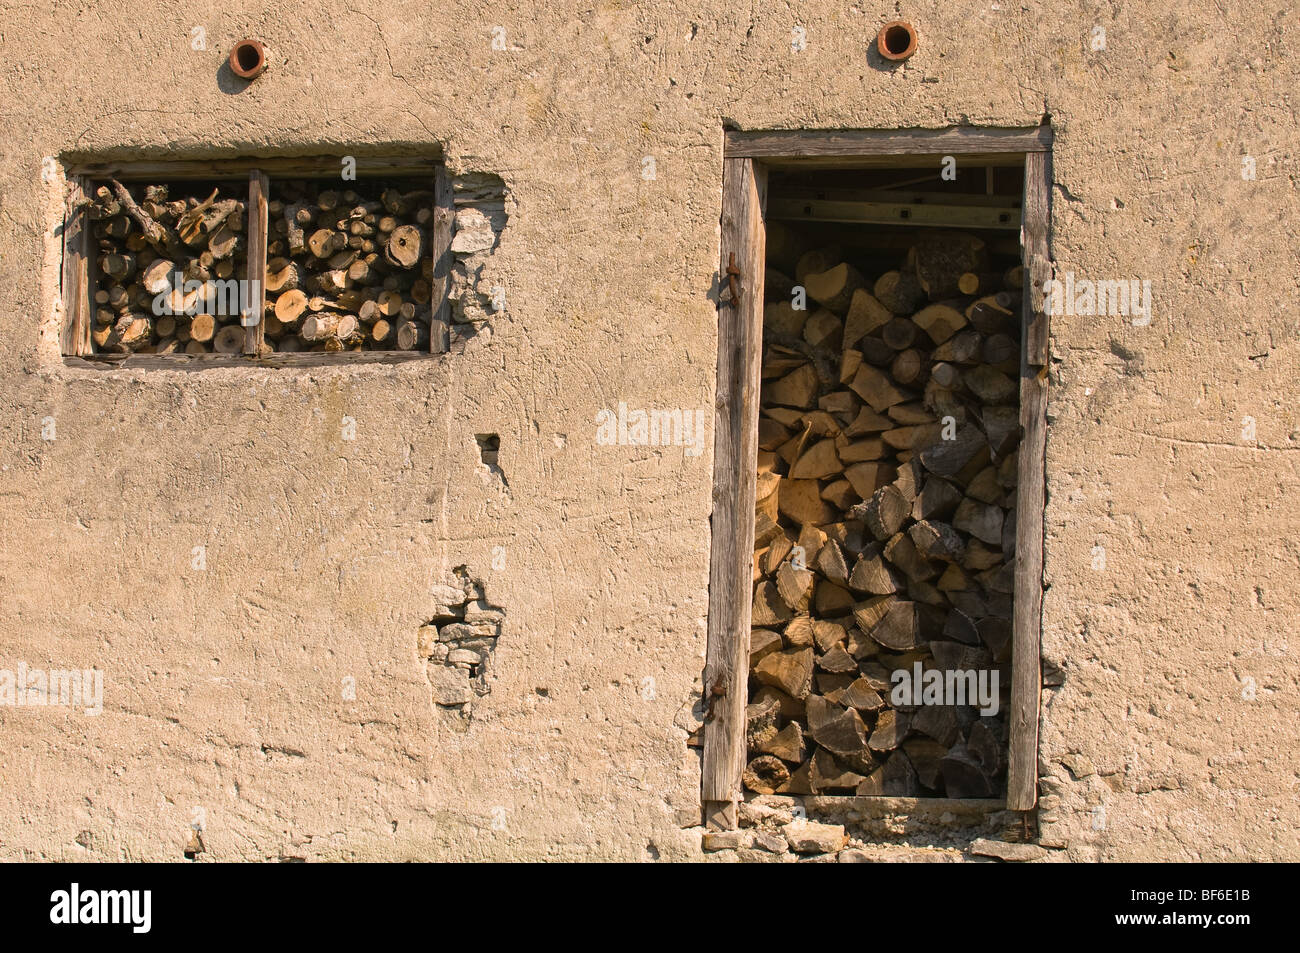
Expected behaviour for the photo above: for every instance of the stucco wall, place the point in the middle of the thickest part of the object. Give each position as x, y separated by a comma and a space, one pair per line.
222, 686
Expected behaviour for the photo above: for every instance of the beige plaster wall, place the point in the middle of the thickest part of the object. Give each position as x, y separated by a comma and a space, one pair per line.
222, 686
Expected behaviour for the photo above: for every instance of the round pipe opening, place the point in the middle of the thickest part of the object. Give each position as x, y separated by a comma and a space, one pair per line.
247, 59
896, 40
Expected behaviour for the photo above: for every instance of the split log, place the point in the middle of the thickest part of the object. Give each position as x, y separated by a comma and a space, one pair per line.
944, 374
290, 306
281, 275
787, 744
895, 778
990, 316
938, 498
898, 628
765, 774
328, 324
899, 333
871, 574
333, 282
295, 217
948, 458
939, 321
229, 340
794, 586
982, 282
832, 563
223, 242
866, 478
884, 513
119, 267
962, 348
817, 462
162, 239
404, 246
937, 540
789, 670
875, 387
132, 331
824, 330
942, 258
989, 385
816, 261
838, 731
980, 520
890, 729
833, 288
903, 554
907, 367
1001, 349
867, 615
322, 242
899, 291
963, 775
777, 285
157, 278
202, 328
797, 389
866, 314
412, 335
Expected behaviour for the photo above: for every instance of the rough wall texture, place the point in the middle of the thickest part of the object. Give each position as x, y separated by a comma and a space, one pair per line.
1172, 732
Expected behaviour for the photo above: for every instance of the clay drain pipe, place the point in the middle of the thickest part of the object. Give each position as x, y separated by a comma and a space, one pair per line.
248, 59
896, 40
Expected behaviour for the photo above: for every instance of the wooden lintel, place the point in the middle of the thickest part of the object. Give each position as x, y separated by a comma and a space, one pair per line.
895, 213
317, 166
961, 140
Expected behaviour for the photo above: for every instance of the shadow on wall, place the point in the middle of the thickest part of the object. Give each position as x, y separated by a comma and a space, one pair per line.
228, 82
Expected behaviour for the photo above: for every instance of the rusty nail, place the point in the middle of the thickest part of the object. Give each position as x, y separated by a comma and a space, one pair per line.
247, 59
896, 40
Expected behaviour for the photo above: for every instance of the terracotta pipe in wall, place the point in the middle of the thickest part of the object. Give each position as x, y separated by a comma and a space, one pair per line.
896, 40
248, 59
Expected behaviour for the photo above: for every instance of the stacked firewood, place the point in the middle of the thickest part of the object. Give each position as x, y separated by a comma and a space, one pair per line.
152, 247
885, 520
350, 269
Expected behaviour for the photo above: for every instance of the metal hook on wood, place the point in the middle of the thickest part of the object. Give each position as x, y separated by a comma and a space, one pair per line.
733, 279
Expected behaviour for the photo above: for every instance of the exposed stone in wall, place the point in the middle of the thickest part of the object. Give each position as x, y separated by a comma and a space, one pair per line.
480, 200
458, 643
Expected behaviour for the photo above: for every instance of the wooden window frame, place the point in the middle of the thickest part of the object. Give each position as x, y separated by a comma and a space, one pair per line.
77, 289
746, 159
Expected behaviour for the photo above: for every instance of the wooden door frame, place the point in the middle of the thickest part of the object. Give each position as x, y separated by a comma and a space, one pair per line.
746, 157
